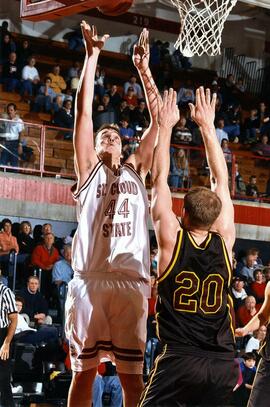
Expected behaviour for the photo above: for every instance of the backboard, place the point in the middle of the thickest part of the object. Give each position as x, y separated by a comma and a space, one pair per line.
37, 10
258, 3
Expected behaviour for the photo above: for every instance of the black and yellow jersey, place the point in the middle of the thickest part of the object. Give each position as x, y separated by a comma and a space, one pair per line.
194, 309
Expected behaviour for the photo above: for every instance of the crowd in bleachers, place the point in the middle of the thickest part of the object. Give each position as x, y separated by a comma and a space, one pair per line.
123, 102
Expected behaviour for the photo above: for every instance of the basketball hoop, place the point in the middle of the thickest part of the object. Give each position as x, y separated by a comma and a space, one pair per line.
202, 23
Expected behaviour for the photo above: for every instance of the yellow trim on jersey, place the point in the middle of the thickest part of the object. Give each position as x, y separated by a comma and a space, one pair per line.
195, 244
166, 273
230, 315
144, 393
228, 264
157, 325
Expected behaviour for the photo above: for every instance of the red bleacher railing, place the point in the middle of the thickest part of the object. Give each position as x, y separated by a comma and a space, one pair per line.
53, 156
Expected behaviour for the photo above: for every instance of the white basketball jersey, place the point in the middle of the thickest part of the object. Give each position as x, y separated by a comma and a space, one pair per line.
112, 232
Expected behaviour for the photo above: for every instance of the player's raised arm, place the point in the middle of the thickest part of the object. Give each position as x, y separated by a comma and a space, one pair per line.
164, 219
203, 113
85, 156
142, 159
261, 318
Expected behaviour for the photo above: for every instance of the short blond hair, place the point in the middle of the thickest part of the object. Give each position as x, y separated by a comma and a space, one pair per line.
203, 207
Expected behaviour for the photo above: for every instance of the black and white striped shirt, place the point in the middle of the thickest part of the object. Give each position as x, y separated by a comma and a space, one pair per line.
7, 305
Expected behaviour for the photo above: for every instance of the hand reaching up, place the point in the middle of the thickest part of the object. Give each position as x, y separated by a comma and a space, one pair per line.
203, 113
168, 112
92, 44
141, 53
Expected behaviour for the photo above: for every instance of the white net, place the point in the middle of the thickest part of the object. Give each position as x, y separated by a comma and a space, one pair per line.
202, 23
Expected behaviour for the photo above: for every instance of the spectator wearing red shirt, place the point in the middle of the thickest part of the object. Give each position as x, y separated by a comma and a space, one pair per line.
247, 311
43, 257
257, 287
131, 98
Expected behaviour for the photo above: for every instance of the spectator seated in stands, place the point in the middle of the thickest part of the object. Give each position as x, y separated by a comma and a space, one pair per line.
240, 86
44, 257
11, 137
131, 98
26, 246
123, 111
45, 97
132, 83
251, 127
35, 305
100, 82
24, 53
7, 46
248, 264
105, 105
247, 311
228, 90
257, 287
129, 141
227, 153
58, 84
24, 333
8, 243
140, 116
179, 169
58, 241
238, 291
256, 340
74, 71
181, 134
30, 80
11, 74
232, 120
264, 115
262, 148
62, 273
185, 95
65, 118
248, 371
115, 97
107, 388
251, 188
266, 272
220, 132
126, 132
25, 240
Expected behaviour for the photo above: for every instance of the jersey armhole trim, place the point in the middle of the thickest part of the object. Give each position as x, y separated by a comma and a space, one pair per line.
92, 174
174, 256
133, 170
227, 261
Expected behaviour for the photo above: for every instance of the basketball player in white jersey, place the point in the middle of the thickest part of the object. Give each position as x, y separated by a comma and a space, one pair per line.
107, 299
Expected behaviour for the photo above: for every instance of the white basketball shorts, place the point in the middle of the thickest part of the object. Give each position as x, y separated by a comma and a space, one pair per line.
106, 317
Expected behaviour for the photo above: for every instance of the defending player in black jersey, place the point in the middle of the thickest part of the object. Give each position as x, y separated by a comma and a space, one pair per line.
260, 393
194, 321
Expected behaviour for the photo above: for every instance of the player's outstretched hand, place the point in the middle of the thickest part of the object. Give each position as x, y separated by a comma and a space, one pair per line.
141, 52
240, 332
93, 45
168, 112
203, 113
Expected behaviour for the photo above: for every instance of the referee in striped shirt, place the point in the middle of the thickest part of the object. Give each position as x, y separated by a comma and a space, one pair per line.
8, 323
